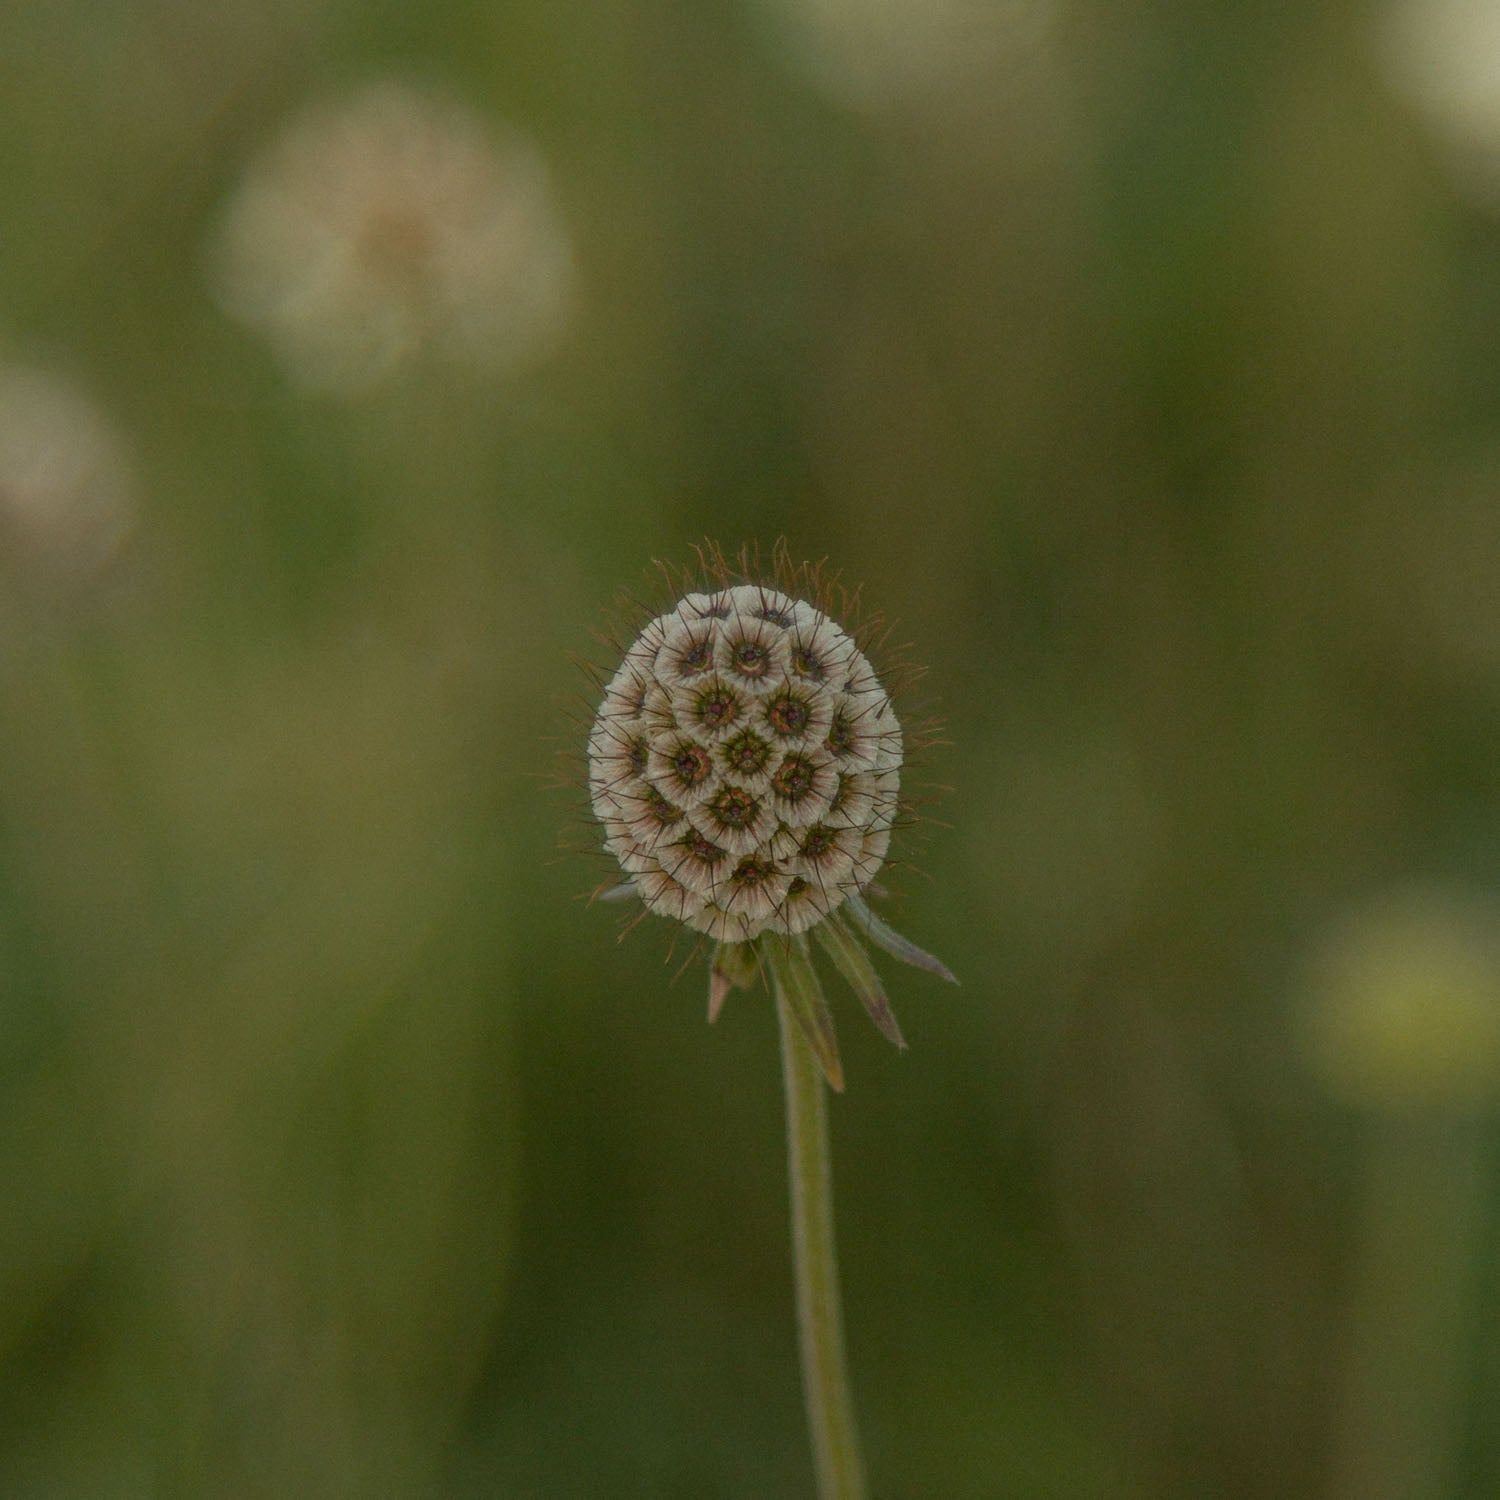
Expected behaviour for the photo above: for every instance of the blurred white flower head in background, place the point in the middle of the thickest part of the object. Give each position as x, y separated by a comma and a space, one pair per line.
1404, 1002
391, 224
66, 490
1443, 56
871, 53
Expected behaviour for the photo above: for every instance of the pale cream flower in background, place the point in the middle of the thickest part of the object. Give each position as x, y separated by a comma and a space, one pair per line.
1404, 1002
66, 488
1402, 1025
391, 224
1443, 57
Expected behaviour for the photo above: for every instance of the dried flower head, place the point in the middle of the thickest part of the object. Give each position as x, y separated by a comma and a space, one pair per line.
1440, 56
66, 491
390, 223
745, 764
1404, 1002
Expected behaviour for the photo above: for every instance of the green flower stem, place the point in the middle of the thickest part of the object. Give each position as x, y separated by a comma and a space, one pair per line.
825, 1377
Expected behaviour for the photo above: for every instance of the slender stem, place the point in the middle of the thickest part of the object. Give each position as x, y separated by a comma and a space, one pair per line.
825, 1378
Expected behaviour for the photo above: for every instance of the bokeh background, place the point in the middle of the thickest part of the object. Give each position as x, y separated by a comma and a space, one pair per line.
1144, 363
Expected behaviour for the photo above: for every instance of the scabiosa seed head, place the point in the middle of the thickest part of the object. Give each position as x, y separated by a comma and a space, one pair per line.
752, 683
67, 492
745, 765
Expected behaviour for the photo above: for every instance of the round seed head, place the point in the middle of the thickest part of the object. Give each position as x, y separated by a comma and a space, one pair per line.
745, 763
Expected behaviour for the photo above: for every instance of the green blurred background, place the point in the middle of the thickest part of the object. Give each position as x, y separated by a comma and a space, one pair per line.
1143, 365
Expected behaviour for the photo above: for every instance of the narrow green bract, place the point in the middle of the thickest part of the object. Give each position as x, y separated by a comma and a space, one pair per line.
854, 964
796, 984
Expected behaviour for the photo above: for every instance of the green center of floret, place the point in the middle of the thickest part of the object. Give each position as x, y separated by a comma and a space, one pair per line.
787, 715
794, 778
663, 811
716, 708
692, 764
818, 841
734, 808
746, 754
805, 663
698, 657
840, 735
704, 850
751, 872
751, 659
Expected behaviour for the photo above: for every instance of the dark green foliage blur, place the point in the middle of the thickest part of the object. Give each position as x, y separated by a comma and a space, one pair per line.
1146, 369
